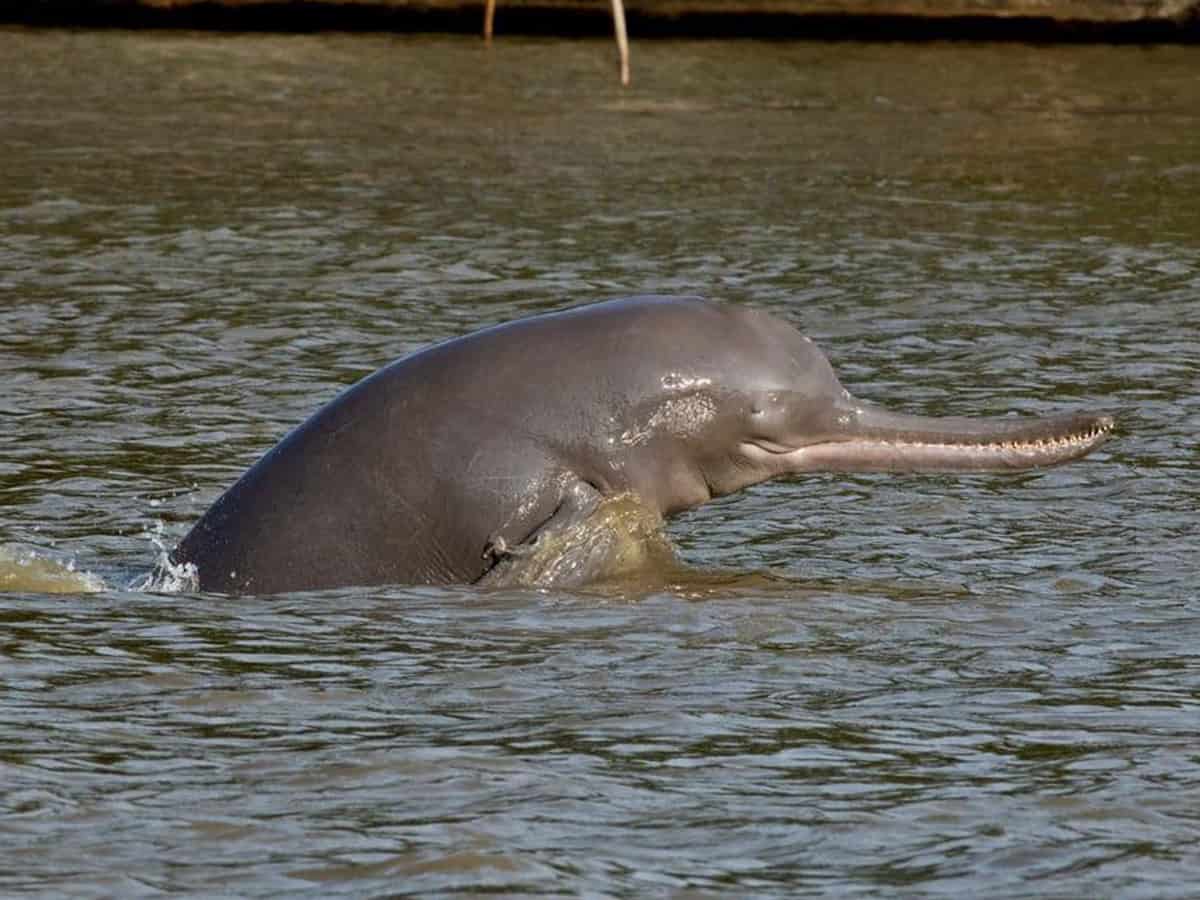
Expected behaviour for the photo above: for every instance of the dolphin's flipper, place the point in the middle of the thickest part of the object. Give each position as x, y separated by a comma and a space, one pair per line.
589, 539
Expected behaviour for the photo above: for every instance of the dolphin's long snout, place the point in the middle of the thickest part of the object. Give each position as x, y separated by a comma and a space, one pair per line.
869, 438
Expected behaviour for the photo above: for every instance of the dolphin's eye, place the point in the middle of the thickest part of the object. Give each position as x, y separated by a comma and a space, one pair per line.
766, 403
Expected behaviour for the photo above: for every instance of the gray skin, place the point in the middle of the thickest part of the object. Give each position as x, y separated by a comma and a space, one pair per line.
470, 452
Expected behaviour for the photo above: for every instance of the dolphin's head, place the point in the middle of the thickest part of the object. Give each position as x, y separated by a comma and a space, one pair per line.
776, 408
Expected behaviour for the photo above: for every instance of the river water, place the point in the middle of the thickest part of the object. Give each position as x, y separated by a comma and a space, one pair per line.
981, 686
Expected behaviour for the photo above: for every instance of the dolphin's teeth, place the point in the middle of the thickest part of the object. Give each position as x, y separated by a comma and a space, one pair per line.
1033, 444
1043, 446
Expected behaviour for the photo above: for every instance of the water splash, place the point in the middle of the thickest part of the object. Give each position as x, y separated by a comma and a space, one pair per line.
26, 570
166, 577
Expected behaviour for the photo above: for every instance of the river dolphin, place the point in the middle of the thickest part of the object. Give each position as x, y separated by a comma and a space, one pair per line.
459, 458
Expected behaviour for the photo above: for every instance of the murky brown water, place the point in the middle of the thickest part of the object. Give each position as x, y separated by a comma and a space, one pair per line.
981, 686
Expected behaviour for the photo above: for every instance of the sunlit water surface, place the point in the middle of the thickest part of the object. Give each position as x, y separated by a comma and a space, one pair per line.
978, 686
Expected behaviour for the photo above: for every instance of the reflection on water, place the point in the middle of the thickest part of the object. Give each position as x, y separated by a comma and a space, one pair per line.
940, 686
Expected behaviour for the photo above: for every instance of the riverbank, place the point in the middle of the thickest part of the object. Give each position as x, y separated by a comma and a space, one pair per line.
1035, 20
